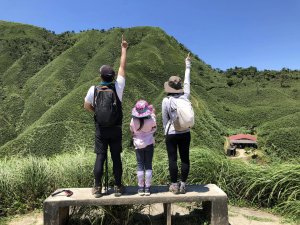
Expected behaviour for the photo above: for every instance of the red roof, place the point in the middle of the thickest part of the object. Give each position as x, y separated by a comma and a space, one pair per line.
242, 136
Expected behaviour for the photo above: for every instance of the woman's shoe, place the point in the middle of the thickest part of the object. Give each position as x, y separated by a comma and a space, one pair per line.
174, 188
182, 189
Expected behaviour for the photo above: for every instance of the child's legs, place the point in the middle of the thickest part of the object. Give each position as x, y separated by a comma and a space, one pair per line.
148, 154
140, 158
148, 164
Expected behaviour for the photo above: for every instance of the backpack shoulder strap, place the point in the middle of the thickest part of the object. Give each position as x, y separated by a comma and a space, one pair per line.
168, 128
95, 88
170, 116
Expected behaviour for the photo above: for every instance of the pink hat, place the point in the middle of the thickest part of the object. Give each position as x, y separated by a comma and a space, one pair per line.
141, 109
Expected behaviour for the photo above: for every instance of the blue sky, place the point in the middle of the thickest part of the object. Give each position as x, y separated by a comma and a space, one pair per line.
224, 33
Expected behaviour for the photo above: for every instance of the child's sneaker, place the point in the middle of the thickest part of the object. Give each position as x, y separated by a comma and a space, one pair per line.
96, 191
141, 191
147, 191
174, 188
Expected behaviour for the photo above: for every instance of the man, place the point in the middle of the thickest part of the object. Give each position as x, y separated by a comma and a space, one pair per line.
108, 121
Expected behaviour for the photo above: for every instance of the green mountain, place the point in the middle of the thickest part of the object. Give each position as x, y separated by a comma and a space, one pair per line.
44, 78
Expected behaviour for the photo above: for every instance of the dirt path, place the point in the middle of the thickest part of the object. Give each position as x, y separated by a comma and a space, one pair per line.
237, 216
240, 154
34, 218
246, 216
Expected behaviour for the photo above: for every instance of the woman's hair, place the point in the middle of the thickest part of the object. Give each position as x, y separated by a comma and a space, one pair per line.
141, 123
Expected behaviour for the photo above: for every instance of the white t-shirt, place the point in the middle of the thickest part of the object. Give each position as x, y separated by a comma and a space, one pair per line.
119, 84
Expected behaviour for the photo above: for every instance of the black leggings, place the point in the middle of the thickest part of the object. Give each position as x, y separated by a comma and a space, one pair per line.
182, 142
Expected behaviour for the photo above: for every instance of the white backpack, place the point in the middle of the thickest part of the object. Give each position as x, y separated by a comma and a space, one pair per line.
185, 117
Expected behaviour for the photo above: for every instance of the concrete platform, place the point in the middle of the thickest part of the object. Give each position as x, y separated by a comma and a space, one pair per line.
214, 201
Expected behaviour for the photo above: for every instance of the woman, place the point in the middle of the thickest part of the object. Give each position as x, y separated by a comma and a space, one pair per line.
177, 140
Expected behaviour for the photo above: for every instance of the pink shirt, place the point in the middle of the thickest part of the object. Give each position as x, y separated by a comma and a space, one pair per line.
143, 137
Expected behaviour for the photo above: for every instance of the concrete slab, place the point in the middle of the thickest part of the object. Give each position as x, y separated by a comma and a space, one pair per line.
159, 194
214, 201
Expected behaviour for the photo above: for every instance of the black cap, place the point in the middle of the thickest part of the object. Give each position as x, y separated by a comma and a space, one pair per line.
107, 73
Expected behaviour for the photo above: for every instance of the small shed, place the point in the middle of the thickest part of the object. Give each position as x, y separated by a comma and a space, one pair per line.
243, 140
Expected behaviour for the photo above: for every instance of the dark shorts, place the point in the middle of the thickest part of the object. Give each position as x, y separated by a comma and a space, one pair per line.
108, 136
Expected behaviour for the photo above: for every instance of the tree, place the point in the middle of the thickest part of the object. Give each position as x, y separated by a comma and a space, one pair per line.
284, 76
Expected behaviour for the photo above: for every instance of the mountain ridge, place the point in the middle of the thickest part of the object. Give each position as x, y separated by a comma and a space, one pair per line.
46, 103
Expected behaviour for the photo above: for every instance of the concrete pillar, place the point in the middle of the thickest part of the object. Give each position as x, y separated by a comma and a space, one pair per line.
54, 215
167, 212
216, 211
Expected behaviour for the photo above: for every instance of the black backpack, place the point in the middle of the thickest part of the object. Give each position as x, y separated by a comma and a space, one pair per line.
108, 109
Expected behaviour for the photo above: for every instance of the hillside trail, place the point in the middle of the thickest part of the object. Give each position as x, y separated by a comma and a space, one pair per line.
237, 216
240, 154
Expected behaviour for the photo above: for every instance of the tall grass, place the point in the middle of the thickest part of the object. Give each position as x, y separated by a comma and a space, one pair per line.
26, 182
115, 214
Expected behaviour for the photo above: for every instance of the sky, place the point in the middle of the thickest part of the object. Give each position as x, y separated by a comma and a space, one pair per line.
223, 33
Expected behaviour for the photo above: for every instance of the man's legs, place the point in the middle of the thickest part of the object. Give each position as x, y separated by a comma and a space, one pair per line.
117, 165
98, 168
115, 144
101, 151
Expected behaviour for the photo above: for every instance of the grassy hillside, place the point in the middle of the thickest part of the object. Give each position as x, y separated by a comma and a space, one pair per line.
271, 112
24, 51
44, 78
48, 106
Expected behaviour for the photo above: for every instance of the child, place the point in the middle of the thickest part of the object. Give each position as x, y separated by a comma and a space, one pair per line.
142, 127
